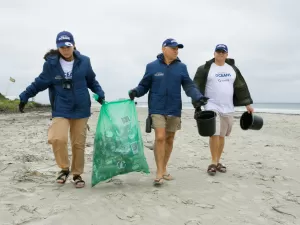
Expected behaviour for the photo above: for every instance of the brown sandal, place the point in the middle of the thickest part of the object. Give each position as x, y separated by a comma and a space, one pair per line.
212, 169
221, 168
78, 182
63, 176
168, 177
158, 181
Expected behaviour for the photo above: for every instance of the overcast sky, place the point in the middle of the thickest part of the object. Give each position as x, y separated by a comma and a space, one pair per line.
121, 37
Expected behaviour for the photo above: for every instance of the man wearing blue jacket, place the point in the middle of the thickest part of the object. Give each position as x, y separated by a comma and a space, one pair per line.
68, 75
163, 79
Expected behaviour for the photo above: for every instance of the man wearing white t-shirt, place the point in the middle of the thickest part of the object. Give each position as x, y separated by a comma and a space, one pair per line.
221, 81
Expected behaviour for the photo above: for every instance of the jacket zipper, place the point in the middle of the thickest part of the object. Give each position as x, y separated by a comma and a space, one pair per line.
166, 98
168, 67
74, 96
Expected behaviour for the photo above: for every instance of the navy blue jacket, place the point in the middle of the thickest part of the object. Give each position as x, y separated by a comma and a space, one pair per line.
164, 82
74, 103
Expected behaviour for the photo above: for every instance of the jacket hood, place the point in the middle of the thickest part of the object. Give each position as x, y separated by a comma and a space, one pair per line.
54, 58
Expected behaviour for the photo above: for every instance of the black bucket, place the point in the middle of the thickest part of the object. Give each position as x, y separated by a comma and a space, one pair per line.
206, 123
251, 121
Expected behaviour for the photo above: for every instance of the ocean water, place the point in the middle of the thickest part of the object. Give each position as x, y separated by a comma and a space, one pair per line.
278, 108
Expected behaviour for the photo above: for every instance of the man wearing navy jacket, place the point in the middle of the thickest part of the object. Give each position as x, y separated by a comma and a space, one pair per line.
163, 79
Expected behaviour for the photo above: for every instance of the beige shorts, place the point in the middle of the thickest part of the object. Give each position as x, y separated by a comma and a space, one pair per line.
224, 125
171, 123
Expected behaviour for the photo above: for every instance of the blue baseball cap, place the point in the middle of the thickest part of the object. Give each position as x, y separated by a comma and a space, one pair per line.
64, 38
170, 42
221, 47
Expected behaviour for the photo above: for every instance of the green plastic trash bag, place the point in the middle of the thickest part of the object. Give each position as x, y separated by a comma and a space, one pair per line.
118, 143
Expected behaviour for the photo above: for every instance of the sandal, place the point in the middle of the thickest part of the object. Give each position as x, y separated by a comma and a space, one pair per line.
212, 169
221, 168
168, 177
63, 176
78, 182
158, 181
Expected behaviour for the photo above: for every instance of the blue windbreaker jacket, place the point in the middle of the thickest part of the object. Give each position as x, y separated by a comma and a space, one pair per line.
74, 103
164, 85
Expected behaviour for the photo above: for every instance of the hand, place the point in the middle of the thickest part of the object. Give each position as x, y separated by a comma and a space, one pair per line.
101, 100
249, 109
203, 100
22, 106
132, 94
197, 113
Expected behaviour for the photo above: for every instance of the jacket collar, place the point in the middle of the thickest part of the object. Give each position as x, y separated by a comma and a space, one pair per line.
160, 57
54, 59
229, 61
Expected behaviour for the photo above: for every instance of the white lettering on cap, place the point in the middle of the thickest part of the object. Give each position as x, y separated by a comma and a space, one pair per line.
64, 37
222, 46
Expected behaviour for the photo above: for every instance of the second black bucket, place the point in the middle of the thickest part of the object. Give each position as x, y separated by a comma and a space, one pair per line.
206, 123
251, 121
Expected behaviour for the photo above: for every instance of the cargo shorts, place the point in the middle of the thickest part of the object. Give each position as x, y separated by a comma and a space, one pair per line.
171, 123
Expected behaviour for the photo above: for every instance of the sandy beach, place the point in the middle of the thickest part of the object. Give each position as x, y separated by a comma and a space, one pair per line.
262, 185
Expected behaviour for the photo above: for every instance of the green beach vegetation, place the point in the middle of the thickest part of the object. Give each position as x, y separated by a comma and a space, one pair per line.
12, 106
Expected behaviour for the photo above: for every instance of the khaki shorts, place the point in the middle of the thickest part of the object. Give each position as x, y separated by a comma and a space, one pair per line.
224, 125
171, 123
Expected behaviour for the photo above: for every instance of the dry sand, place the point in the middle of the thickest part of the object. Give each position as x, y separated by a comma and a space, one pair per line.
262, 185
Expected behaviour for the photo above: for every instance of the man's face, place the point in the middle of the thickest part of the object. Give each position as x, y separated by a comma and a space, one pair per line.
66, 51
170, 53
220, 55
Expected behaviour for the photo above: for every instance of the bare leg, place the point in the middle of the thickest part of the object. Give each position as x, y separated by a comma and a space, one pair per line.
168, 149
221, 147
159, 151
220, 167
214, 149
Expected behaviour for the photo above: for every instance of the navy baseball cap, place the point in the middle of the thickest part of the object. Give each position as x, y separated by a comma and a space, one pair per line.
221, 47
64, 38
170, 42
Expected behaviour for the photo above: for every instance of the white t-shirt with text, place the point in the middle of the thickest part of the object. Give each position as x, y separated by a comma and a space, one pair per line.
219, 89
67, 67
